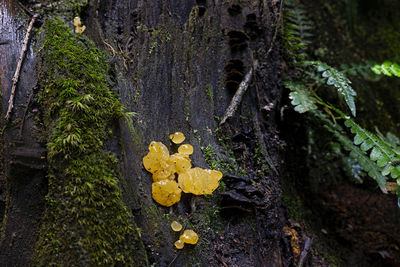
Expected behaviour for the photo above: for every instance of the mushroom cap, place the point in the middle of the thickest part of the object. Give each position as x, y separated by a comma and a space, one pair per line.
77, 21
181, 162
176, 226
166, 192
163, 174
156, 158
179, 244
185, 149
177, 137
189, 237
199, 181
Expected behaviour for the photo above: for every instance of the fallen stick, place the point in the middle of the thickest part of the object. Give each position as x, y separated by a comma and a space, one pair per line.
237, 98
304, 252
19, 64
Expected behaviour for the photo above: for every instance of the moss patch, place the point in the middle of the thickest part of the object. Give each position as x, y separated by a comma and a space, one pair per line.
85, 222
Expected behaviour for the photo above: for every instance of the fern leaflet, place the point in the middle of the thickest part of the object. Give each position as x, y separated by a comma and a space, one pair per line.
381, 152
387, 68
302, 100
356, 153
337, 79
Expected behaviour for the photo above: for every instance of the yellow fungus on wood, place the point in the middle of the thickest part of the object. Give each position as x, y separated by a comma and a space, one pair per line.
176, 226
166, 192
79, 28
177, 137
189, 237
199, 181
185, 149
179, 244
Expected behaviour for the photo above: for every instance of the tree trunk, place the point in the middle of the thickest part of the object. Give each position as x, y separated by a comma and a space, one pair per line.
176, 64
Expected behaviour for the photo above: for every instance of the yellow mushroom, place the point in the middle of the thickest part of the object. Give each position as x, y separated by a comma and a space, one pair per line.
166, 192
78, 25
181, 162
157, 157
199, 181
176, 226
189, 237
177, 137
185, 149
179, 244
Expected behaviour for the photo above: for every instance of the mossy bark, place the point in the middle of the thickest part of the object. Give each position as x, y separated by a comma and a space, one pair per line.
167, 64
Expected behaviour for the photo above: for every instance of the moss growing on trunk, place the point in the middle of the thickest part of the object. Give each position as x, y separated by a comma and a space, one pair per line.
85, 222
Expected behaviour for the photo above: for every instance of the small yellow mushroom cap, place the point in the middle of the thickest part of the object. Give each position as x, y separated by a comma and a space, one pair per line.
159, 148
176, 226
185, 149
177, 137
163, 174
166, 192
78, 25
189, 237
179, 244
151, 162
77, 21
181, 162
199, 181
157, 157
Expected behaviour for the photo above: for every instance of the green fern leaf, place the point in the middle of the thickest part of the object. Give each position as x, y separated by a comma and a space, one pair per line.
387, 68
302, 99
382, 153
356, 153
337, 79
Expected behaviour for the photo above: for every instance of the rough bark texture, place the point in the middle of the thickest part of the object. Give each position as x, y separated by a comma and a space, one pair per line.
23, 184
167, 65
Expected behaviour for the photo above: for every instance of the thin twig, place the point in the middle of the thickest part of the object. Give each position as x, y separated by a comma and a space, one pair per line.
237, 98
19, 64
304, 253
21, 127
278, 24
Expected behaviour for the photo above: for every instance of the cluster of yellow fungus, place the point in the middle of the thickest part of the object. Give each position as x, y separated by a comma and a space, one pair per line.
165, 167
79, 28
188, 236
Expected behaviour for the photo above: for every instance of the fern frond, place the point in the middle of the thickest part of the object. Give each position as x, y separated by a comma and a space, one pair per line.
357, 154
387, 68
380, 151
337, 79
364, 70
297, 30
302, 99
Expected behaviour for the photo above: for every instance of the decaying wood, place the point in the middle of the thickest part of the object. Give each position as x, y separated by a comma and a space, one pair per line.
21, 127
19, 64
237, 98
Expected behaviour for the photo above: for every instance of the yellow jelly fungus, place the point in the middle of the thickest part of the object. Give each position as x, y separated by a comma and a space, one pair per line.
166, 192
177, 137
159, 149
176, 226
78, 25
157, 156
181, 162
189, 237
199, 181
185, 149
163, 174
179, 244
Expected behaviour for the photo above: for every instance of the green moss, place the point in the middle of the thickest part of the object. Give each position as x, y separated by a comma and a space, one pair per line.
85, 222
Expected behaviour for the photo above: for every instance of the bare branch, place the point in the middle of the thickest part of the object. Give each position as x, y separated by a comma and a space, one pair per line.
19, 64
237, 98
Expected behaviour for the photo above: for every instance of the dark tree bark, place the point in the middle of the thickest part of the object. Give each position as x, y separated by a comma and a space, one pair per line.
176, 64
